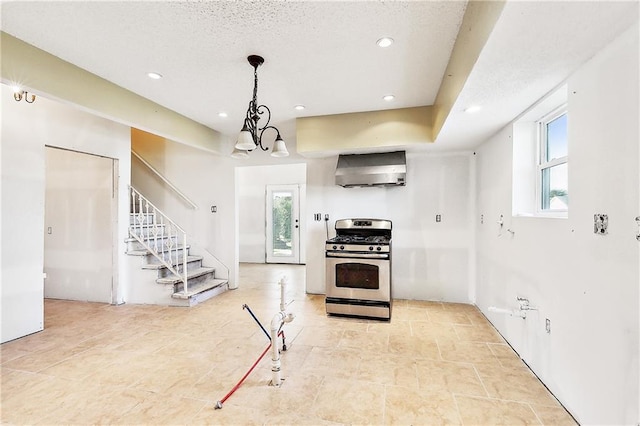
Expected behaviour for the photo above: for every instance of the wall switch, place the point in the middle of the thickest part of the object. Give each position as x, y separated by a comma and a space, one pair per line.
438, 218
600, 223
214, 209
317, 217
547, 325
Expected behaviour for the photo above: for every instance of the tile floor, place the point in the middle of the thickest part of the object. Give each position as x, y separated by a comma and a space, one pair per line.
434, 363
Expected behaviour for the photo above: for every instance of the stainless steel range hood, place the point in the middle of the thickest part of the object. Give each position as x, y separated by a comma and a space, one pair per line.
384, 169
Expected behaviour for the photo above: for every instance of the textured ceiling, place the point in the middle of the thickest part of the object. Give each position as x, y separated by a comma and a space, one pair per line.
320, 54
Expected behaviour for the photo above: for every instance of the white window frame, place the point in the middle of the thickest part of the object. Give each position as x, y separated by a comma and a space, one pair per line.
543, 164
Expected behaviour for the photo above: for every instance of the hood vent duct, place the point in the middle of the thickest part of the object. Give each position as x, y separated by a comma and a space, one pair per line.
384, 169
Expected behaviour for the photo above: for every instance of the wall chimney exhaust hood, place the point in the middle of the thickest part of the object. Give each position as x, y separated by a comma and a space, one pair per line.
384, 169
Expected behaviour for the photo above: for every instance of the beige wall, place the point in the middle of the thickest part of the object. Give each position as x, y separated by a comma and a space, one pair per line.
26, 129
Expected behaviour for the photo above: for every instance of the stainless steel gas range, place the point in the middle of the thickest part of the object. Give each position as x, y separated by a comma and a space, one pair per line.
358, 269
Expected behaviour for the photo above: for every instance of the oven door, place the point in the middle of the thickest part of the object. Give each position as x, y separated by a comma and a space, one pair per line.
358, 278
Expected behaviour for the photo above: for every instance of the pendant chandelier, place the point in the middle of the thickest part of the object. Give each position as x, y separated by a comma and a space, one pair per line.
250, 136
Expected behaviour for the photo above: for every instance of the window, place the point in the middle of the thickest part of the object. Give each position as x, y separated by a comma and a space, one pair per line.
540, 158
552, 179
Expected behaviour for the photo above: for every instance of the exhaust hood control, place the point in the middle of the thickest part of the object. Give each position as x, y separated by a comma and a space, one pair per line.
341, 247
371, 248
379, 248
335, 247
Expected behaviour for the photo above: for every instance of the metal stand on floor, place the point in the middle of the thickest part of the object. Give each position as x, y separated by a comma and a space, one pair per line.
277, 323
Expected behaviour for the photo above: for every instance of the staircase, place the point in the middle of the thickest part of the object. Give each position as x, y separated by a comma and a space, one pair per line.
179, 278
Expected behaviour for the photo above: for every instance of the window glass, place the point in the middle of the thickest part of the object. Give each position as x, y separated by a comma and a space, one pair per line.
556, 138
555, 194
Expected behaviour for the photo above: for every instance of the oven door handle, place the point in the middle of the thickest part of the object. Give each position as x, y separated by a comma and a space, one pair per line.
359, 255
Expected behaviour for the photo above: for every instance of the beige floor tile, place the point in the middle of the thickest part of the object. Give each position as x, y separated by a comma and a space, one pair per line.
405, 406
460, 307
484, 411
360, 402
465, 351
556, 416
449, 317
141, 364
163, 409
395, 326
39, 361
82, 365
229, 414
409, 313
449, 376
388, 369
413, 346
325, 336
98, 406
365, 341
428, 304
507, 356
9, 353
478, 333
43, 398
428, 329
516, 385
334, 362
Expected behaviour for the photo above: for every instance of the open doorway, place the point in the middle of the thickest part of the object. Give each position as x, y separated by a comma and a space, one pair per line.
255, 201
80, 222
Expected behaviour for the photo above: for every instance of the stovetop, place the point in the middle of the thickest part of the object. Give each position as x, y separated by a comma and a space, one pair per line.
360, 239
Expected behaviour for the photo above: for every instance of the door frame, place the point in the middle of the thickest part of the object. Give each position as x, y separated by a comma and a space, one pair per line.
112, 223
295, 224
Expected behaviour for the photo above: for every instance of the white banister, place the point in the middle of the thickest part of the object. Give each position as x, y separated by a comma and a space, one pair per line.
143, 212
165, 180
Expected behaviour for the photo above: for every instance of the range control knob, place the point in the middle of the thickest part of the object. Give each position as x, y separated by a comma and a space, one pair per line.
379, 248
371, 248
341, 247
335, 247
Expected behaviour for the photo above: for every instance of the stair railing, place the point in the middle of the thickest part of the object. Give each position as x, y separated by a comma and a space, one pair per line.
165, 180
159, 235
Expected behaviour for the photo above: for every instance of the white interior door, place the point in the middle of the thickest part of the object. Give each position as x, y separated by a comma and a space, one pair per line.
283, 224
78, 240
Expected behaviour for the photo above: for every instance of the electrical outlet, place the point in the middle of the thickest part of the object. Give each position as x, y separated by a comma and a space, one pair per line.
600, 223
317, 217
481, 219
438, 218
214, 209
547, 325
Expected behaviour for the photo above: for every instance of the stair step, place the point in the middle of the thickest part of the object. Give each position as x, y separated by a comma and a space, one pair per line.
173, 279
149, 238
207, 285
156, 266
134, 217
144, 252
161, 241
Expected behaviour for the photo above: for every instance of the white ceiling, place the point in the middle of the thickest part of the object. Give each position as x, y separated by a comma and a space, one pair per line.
321, 54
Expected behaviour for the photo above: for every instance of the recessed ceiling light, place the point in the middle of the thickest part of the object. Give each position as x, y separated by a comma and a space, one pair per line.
154, 75
388, 98
223, 114
385, 42
299, 107
473, 108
